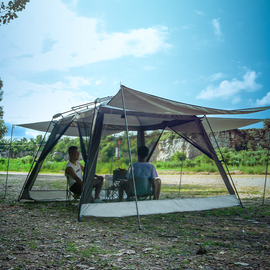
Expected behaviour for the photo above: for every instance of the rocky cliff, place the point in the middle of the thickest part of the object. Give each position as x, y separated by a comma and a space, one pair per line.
233, 139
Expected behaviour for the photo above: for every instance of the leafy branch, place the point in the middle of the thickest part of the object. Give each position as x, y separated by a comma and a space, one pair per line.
8, 12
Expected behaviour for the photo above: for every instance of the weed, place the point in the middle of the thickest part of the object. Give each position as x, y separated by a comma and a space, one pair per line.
71, 247
184, 262
32, 244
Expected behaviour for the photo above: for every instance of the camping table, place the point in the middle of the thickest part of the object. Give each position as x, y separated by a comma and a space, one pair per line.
112, 192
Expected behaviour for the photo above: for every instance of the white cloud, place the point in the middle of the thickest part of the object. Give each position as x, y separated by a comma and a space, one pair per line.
264, 101
215, 77
236, 100
227, 89
77, 81
199, 12
98, 82
217, 30
29, 133
29, 102
57, 38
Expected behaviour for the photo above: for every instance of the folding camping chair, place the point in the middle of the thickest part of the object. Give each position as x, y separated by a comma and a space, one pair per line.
143, 189
70, 196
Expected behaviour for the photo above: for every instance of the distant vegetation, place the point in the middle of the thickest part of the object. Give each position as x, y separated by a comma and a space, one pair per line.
247, 161
247, 157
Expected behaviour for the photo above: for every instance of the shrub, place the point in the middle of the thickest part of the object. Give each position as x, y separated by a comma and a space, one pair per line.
178, 156
27, 159
57, 158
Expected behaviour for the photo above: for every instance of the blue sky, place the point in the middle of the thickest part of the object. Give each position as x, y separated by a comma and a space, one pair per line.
58, 54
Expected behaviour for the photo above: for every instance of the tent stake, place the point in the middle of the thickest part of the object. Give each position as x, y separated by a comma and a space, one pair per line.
224, 161
266, 168
131, 164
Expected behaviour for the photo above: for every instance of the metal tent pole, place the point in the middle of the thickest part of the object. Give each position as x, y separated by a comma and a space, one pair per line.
9, 152
180, 181
94, 119
111, 171
131, 164
266, 171
224, 161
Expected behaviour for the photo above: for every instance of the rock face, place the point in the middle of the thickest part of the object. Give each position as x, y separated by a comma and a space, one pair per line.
233, 139
166, 149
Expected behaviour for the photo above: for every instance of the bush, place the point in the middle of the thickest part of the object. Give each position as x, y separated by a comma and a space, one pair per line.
178, 156
189, 163
27, 159
57, 158
2, 161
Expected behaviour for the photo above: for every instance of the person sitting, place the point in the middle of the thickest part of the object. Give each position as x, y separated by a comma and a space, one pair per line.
141, 169
74, 173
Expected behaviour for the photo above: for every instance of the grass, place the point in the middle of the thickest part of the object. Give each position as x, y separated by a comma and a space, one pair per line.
55, 182
199, 164
172, 191
172, 237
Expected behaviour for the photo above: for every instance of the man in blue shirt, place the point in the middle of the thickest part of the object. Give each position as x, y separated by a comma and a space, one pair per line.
141, 169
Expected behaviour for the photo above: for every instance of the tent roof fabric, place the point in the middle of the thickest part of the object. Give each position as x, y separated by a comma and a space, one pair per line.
149, 112
217, 124
135, 100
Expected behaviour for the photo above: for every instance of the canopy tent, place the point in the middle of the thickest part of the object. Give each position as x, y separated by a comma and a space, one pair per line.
131, 110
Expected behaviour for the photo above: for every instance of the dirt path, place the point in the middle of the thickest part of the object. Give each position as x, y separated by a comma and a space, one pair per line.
239, 180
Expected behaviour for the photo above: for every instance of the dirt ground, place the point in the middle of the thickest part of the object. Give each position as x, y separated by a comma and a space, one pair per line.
48, 236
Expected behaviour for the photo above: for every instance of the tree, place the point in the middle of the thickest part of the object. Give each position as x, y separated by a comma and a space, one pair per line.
8, 12
3, 128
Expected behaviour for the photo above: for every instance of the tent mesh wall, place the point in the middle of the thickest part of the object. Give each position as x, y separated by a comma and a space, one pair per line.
31, 185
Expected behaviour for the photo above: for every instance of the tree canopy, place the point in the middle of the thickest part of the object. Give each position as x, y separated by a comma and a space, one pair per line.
3, 128
266, 124
9, 11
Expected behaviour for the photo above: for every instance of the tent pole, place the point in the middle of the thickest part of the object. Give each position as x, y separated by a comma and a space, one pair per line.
266, 171
131, 164
90, 146
112, 154
224, 161
92, 124
154, 147
181, 170
9, 153
86, 158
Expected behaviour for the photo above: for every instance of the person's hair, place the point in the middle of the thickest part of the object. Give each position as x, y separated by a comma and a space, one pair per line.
143, 151
71, 149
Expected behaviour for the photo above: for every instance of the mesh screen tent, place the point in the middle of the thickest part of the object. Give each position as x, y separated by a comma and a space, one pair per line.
131, 110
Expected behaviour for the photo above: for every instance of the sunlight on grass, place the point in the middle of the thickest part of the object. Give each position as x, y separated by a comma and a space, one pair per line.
172, 191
